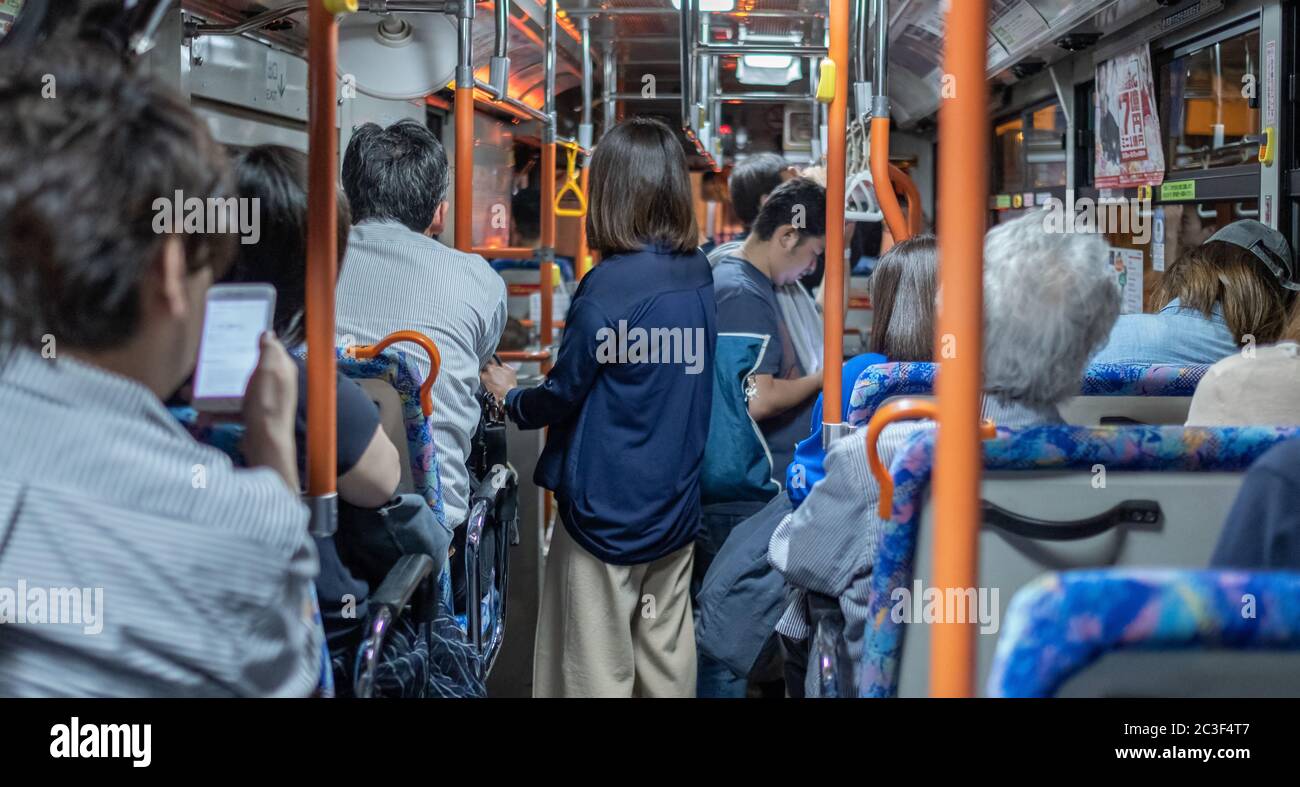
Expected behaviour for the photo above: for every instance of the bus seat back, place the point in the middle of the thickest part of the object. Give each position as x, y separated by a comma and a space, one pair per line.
1142, 393
1192, 509
1165, 490
389, 403
1151, 632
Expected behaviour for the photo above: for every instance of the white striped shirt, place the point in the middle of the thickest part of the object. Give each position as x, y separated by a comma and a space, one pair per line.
205, 569
828, 545
394, 279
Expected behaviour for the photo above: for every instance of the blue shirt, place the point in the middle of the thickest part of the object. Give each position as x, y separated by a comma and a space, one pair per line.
747, 304
627, 431
1172, 335
808, 466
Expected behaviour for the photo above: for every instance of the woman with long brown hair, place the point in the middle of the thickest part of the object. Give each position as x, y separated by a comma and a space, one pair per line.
1236, 289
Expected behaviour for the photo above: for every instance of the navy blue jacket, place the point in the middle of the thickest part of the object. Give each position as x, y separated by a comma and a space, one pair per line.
628, 403
1263, 527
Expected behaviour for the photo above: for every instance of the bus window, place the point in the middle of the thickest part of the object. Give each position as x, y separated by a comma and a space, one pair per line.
1209, 112
1008, 143
1186, 225
1045, 147
1029, 158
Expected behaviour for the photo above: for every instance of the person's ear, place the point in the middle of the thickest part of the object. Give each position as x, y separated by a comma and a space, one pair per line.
789, 237
169, 293
439, 222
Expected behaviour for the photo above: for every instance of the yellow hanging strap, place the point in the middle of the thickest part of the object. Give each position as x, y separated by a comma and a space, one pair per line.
571, 185
826, 82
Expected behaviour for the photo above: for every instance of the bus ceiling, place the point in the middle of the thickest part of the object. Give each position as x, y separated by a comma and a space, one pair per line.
749, 67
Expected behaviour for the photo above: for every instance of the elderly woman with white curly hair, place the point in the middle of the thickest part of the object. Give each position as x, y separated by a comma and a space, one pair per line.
1049, 304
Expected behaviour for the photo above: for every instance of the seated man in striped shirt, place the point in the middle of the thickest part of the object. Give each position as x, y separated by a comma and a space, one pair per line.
133, 560
397, 276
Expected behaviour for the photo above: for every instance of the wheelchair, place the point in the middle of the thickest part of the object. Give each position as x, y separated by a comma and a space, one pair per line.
473, 589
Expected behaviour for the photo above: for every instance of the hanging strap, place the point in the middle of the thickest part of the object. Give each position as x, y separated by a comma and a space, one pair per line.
571, 185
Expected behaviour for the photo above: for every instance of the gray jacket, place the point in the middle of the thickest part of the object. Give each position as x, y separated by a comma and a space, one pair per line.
742, 596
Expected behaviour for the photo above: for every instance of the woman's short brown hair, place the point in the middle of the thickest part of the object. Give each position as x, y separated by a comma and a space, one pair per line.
640, 191
1253, 301
904, 285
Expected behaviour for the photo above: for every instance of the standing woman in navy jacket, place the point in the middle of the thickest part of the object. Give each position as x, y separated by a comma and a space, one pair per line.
628, 406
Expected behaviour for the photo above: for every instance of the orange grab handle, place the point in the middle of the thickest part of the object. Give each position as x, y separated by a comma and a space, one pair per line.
435, 360
904, 183
524, 356
901, 410
505, 253
898, 227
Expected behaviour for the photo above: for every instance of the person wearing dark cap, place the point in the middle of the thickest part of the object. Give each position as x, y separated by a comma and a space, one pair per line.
1233, 292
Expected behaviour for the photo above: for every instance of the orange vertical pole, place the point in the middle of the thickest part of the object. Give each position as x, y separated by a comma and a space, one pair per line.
322, 261
833, 336
464, 122
963, 188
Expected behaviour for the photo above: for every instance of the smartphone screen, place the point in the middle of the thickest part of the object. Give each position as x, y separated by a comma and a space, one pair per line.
236, 317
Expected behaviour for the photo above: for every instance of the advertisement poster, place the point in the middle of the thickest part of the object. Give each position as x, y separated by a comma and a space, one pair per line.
9, 10
1126, 267
1128, 149
1014, 22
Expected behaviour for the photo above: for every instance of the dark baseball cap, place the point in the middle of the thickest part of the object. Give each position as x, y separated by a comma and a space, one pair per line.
1265, 243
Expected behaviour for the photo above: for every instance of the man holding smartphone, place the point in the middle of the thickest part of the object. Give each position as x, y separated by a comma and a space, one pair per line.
204, 569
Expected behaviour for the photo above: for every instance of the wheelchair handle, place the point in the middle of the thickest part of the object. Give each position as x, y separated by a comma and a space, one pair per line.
435, 360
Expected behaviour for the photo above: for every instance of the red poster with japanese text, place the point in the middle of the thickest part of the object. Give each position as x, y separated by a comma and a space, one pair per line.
1128, 146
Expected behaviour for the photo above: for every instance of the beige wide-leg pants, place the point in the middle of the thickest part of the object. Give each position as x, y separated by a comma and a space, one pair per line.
614, 631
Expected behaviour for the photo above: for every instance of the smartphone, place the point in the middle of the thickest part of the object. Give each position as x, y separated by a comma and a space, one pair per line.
236, 316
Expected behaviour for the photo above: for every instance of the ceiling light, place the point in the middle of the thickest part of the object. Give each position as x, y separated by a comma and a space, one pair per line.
767, 61
709, 5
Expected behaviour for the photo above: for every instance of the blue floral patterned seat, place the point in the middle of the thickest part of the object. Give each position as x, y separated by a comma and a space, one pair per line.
1148, 379
1119, 448
1063, 622
880, 382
